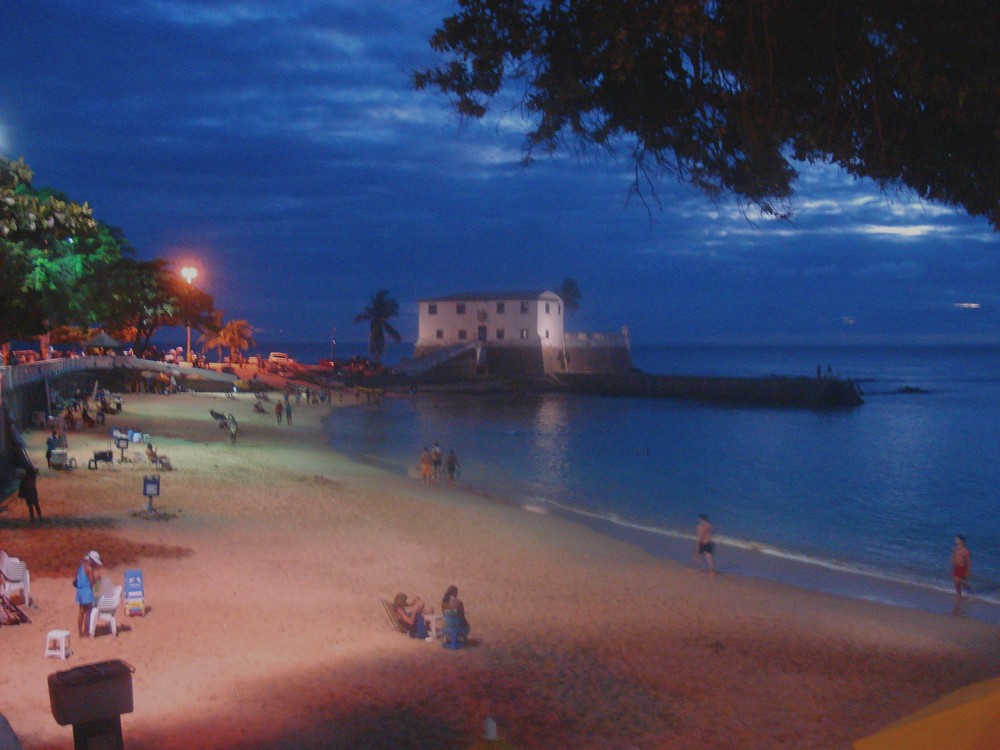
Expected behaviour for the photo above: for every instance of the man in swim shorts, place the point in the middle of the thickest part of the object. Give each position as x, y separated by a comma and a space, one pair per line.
706, 547
961, 565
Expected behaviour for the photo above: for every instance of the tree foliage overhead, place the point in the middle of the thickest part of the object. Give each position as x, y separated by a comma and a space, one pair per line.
725, 93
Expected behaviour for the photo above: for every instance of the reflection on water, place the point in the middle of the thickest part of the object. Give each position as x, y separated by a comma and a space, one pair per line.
551, 444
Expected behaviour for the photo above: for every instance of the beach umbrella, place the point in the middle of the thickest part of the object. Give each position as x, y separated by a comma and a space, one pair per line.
966, 719
103, 340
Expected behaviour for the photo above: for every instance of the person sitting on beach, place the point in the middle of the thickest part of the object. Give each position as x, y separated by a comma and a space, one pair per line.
160, 462
454, 611
411, 615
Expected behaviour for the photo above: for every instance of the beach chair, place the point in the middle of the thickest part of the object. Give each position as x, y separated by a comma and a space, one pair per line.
14, 576
104, 611
101, 457
393, 620
431, 620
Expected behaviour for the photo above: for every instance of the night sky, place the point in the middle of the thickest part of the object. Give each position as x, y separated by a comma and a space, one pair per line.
280, 147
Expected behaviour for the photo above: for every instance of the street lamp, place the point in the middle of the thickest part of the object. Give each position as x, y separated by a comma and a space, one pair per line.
190, 273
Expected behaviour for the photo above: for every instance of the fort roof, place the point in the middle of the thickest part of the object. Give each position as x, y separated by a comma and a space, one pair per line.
490, 296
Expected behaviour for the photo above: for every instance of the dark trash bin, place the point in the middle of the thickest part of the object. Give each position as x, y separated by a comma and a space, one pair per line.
92, 697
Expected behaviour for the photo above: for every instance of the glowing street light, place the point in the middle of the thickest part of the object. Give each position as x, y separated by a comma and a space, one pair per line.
190, 273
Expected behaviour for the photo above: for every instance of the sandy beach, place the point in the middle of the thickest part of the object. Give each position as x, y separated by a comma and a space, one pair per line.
265, 629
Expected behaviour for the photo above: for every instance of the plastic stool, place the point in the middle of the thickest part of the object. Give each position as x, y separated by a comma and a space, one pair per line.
57, 644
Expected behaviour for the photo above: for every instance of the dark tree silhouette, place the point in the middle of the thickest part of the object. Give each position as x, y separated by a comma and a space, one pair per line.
725, 94
570, 293
377, 314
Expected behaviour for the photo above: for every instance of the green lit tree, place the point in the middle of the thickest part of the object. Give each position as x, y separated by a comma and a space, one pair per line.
377, 314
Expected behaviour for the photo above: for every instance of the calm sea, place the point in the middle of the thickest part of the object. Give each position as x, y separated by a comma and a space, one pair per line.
863, 502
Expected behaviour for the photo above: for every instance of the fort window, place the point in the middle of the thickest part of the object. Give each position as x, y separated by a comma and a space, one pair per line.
432, 309
524, 333
500, 334
546, 308
463, 335
439, 333
500, 308
460, 308
524, 308
546, 334
481, 315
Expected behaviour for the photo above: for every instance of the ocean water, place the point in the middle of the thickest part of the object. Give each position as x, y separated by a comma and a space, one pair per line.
864, 502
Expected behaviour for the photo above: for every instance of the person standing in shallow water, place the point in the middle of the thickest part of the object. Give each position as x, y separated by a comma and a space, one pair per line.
451, 465
706, 547
961, 566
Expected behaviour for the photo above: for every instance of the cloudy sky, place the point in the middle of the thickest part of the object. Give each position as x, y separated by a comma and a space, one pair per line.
280, 147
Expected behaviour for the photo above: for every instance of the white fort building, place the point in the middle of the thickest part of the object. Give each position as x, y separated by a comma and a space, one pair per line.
513, 334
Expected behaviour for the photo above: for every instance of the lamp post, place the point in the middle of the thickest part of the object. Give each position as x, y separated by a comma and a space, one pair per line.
190, 273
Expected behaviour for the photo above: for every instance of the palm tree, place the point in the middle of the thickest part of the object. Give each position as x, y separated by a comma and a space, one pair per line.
570, 293
379, 310
238, 336
211, 338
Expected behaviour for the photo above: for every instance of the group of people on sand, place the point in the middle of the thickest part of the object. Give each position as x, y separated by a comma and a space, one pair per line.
431, 462
411, 613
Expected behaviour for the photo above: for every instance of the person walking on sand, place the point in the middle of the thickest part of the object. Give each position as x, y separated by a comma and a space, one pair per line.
51, 443
278, 411
288, 413
961, 566
29, 491
86, 583
706, 547
436, 456
233, 428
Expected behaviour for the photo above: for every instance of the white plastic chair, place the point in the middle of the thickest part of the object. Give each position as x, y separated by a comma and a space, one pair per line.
104, 611
14, 576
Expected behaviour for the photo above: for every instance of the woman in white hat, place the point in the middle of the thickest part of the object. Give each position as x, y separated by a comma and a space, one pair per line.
85, 582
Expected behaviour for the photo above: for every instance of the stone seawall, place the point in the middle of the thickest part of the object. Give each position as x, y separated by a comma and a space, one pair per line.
799, 392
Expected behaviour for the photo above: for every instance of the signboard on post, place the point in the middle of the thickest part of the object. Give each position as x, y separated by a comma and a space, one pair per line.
135, 593
151, 489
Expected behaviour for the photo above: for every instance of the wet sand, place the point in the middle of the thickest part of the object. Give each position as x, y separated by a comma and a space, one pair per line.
265, 630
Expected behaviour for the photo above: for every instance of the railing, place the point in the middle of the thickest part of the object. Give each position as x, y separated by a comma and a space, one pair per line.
33, 372
580, 339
